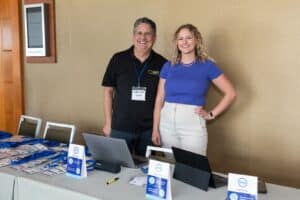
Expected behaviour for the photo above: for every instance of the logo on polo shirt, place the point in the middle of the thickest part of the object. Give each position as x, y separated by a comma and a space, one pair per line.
153, 72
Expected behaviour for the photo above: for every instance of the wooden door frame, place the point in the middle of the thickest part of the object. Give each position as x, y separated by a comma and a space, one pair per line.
11, 50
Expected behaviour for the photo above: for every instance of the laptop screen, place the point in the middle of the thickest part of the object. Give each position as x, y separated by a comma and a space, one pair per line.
191, 159
109, 149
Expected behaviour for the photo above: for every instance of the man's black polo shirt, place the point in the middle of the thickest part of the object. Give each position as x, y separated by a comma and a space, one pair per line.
128, 115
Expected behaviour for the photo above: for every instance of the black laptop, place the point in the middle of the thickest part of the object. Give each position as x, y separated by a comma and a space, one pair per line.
194, 169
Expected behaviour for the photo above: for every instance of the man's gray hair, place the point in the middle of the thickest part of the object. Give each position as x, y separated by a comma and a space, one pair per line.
145, 20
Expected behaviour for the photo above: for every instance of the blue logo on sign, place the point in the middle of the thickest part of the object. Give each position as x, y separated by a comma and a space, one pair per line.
156, 188
76, 150
242, 182
158, 167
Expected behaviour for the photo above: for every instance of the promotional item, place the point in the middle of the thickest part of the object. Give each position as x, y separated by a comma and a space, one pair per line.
242, 187
112, 180
159, 181
76, 161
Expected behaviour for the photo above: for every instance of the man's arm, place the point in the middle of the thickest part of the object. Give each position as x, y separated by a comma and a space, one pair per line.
108, 96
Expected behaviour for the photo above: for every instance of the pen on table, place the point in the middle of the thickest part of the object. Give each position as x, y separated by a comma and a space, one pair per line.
112, 180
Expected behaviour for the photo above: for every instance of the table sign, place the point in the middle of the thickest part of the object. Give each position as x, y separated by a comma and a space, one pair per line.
242, 187
76, 161
159, 181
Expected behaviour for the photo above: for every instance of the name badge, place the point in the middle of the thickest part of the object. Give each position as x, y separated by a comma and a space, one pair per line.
138, 94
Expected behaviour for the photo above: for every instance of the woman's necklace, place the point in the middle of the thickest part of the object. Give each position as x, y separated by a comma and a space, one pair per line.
188, 64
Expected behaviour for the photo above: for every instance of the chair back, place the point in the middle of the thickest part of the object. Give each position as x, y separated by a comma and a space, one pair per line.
59, 132
29, 126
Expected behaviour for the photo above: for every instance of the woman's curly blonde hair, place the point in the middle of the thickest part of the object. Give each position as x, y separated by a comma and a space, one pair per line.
200, 51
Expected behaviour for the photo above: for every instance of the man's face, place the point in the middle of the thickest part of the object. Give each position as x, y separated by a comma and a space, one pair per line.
143, 38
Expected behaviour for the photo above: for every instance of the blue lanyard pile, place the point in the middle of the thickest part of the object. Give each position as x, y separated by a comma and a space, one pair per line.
60, 158
87, 151
90, 165
32, 157
50, 143
16, 144
4, 135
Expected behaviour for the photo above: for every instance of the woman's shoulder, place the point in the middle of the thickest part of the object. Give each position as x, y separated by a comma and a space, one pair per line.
167, 64
208, 62
165, 70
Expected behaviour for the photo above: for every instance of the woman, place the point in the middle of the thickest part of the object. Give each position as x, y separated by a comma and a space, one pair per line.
179, 113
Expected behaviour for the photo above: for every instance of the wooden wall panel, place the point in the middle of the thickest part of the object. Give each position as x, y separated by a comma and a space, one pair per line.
11, 87
7, 70
6, 35
5, 8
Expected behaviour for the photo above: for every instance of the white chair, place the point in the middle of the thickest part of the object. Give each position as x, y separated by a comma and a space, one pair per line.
59, 132
29, 126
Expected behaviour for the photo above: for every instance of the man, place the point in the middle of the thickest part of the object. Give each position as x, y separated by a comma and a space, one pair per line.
130, 85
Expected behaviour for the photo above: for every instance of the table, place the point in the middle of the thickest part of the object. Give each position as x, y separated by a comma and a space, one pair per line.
36, 187
6, 186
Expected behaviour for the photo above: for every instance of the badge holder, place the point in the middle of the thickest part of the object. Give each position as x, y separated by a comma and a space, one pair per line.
138, 93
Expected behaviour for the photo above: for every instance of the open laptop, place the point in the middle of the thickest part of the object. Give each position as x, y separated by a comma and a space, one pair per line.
194, 169
111, 150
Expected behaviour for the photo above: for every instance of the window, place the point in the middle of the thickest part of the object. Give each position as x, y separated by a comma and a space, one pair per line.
39, 23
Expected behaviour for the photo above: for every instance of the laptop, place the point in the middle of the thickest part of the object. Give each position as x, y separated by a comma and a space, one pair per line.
111, 150
194, 169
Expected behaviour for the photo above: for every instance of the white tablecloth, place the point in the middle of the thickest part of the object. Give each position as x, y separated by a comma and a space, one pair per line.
36, 187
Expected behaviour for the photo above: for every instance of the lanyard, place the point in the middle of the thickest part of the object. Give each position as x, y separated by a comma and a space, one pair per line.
139, 75
34, 156
29, 141
4, 135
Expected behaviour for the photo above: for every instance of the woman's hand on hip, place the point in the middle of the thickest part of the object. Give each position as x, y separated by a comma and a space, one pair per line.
203, 113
